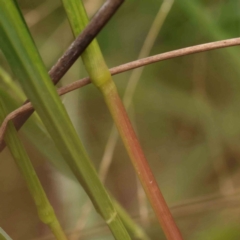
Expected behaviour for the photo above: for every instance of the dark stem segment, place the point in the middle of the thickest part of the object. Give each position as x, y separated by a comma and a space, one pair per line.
74, 51
84, 39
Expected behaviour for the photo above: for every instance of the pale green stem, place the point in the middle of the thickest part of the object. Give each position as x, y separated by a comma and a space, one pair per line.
45, 210
132, 83
10, 86
73, 8
101, 78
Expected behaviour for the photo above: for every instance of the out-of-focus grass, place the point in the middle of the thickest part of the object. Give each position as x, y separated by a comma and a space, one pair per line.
179, 125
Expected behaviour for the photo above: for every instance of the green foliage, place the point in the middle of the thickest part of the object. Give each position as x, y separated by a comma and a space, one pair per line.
26, 63
45, 211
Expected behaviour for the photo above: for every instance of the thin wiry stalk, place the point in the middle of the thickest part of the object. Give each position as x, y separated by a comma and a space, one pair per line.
72, 9
101, 78
123, 68
126, 67
45, 211
133, 81
9, 85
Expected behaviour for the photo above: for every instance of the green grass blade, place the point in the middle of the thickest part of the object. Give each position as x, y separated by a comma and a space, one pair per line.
35, 133
45, 210
73, 8
42, 142
33, 129
23, 57
9, 86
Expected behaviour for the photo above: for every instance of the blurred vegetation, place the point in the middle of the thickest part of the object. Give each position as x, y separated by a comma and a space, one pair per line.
185, 111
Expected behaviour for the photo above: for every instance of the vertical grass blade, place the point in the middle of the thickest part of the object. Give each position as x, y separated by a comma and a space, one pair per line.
101, 78
45, 210
74, 51
23, 57
33, 129
39, 138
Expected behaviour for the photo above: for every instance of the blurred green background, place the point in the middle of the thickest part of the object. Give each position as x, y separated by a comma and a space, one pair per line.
185, 112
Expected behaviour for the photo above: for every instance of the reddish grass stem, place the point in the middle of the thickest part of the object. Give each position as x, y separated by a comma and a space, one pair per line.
139, 161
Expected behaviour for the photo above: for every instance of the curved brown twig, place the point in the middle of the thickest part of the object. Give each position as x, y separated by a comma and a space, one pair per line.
25, 109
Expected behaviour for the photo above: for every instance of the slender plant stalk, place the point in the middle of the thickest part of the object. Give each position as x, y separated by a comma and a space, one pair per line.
134, 230
101, 78
134, 78
45, 210
133, 81
129, 92
123, 68
24, 59
9, 86
140, 163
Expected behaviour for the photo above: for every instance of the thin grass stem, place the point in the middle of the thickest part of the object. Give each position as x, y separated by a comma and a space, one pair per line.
101, 78
45, 210
126, 67
135, 76
75, 49
24, 59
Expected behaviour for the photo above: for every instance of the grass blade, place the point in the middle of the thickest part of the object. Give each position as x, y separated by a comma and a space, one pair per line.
40, 139
24, 59
74, 51
45, 210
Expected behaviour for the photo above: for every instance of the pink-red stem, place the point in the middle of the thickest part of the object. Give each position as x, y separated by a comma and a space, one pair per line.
139, 162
